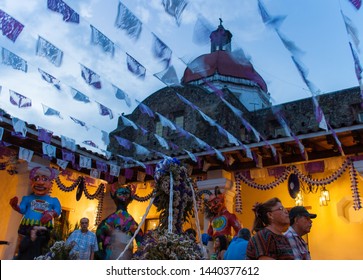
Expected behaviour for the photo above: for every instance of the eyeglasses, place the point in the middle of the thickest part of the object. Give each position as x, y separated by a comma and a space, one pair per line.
281, 208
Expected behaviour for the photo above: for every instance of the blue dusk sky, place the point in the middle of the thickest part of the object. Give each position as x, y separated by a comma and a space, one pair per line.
316, 27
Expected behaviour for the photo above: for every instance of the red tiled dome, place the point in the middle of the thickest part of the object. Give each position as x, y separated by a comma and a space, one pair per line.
222, 63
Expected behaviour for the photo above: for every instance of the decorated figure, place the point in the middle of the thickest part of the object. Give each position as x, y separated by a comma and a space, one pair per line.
38, 208
114, 232
221, 220
173, 198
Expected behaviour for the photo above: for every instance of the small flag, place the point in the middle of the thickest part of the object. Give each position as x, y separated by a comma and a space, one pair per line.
79, 96
49, 51
9, 26
120, 94
19, 126
191, 155
161, 51
351, 30
90, 77
162, 141
68, 156
105, 138
25, 154
101, 166
168, 76
98, 38
127, 144
145, 109
135, 67
94, 173
126, 20
85, 162
11, 59
141, 150
19, 100
51, 112
68, 143
69, 15
128, 122
166, 122
90, 143
175, 8
81, 123
49, 150
357, 66
44, 135
356, 3
114, 170
50, 79
104, 111
201, 32
62, 163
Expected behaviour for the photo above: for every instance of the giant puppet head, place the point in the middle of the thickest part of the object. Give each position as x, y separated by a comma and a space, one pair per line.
41, 180
216, 202
122, 195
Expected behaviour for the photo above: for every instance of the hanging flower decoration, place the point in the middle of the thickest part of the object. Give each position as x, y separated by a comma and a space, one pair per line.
182, 194
238, 196
162, 245
77, 183
348, 163
278, 181
357, 204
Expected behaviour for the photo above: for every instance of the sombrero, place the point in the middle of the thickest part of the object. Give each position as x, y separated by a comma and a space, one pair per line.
293, 185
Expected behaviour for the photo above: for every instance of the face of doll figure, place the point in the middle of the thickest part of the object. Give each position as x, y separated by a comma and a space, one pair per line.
216, 204
41, 184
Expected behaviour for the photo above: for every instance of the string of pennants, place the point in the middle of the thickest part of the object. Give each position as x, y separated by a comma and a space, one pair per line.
124, 20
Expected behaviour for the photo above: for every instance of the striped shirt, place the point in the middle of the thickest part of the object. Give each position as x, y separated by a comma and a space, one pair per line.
269, 244
299, 246
85, 243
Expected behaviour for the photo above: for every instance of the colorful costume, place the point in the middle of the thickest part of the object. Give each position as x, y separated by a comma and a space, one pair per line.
114, 232
38, 208
222, 221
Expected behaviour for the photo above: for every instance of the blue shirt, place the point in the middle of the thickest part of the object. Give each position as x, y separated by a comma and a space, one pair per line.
85, 243
236, 249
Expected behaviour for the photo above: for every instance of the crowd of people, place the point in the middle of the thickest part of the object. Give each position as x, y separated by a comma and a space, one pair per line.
276, 235
276, 232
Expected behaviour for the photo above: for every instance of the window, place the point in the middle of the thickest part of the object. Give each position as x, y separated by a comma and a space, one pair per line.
360, 117
159, 129
280, 131
179, 121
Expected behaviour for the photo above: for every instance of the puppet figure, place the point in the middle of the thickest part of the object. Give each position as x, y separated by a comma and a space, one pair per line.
114, 232
38, 208
221, 220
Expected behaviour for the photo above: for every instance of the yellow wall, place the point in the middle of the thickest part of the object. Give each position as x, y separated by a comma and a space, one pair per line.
336, 232
332, 237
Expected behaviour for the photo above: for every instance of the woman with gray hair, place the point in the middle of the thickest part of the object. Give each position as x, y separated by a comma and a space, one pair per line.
269, 242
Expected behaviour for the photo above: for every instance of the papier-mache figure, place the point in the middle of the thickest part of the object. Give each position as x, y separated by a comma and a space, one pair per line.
221, 220
38, 208
114, 232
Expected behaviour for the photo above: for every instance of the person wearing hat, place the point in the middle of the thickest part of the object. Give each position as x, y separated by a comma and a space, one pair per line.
300, 224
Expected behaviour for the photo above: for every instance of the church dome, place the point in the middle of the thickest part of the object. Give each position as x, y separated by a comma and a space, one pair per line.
221, 62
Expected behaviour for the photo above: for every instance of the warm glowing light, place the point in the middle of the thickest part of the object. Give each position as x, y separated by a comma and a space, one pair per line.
299, 200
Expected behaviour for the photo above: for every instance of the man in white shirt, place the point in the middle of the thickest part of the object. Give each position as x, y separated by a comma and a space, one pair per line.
85, 241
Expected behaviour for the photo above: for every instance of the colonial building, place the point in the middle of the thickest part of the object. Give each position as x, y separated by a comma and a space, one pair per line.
221, 124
